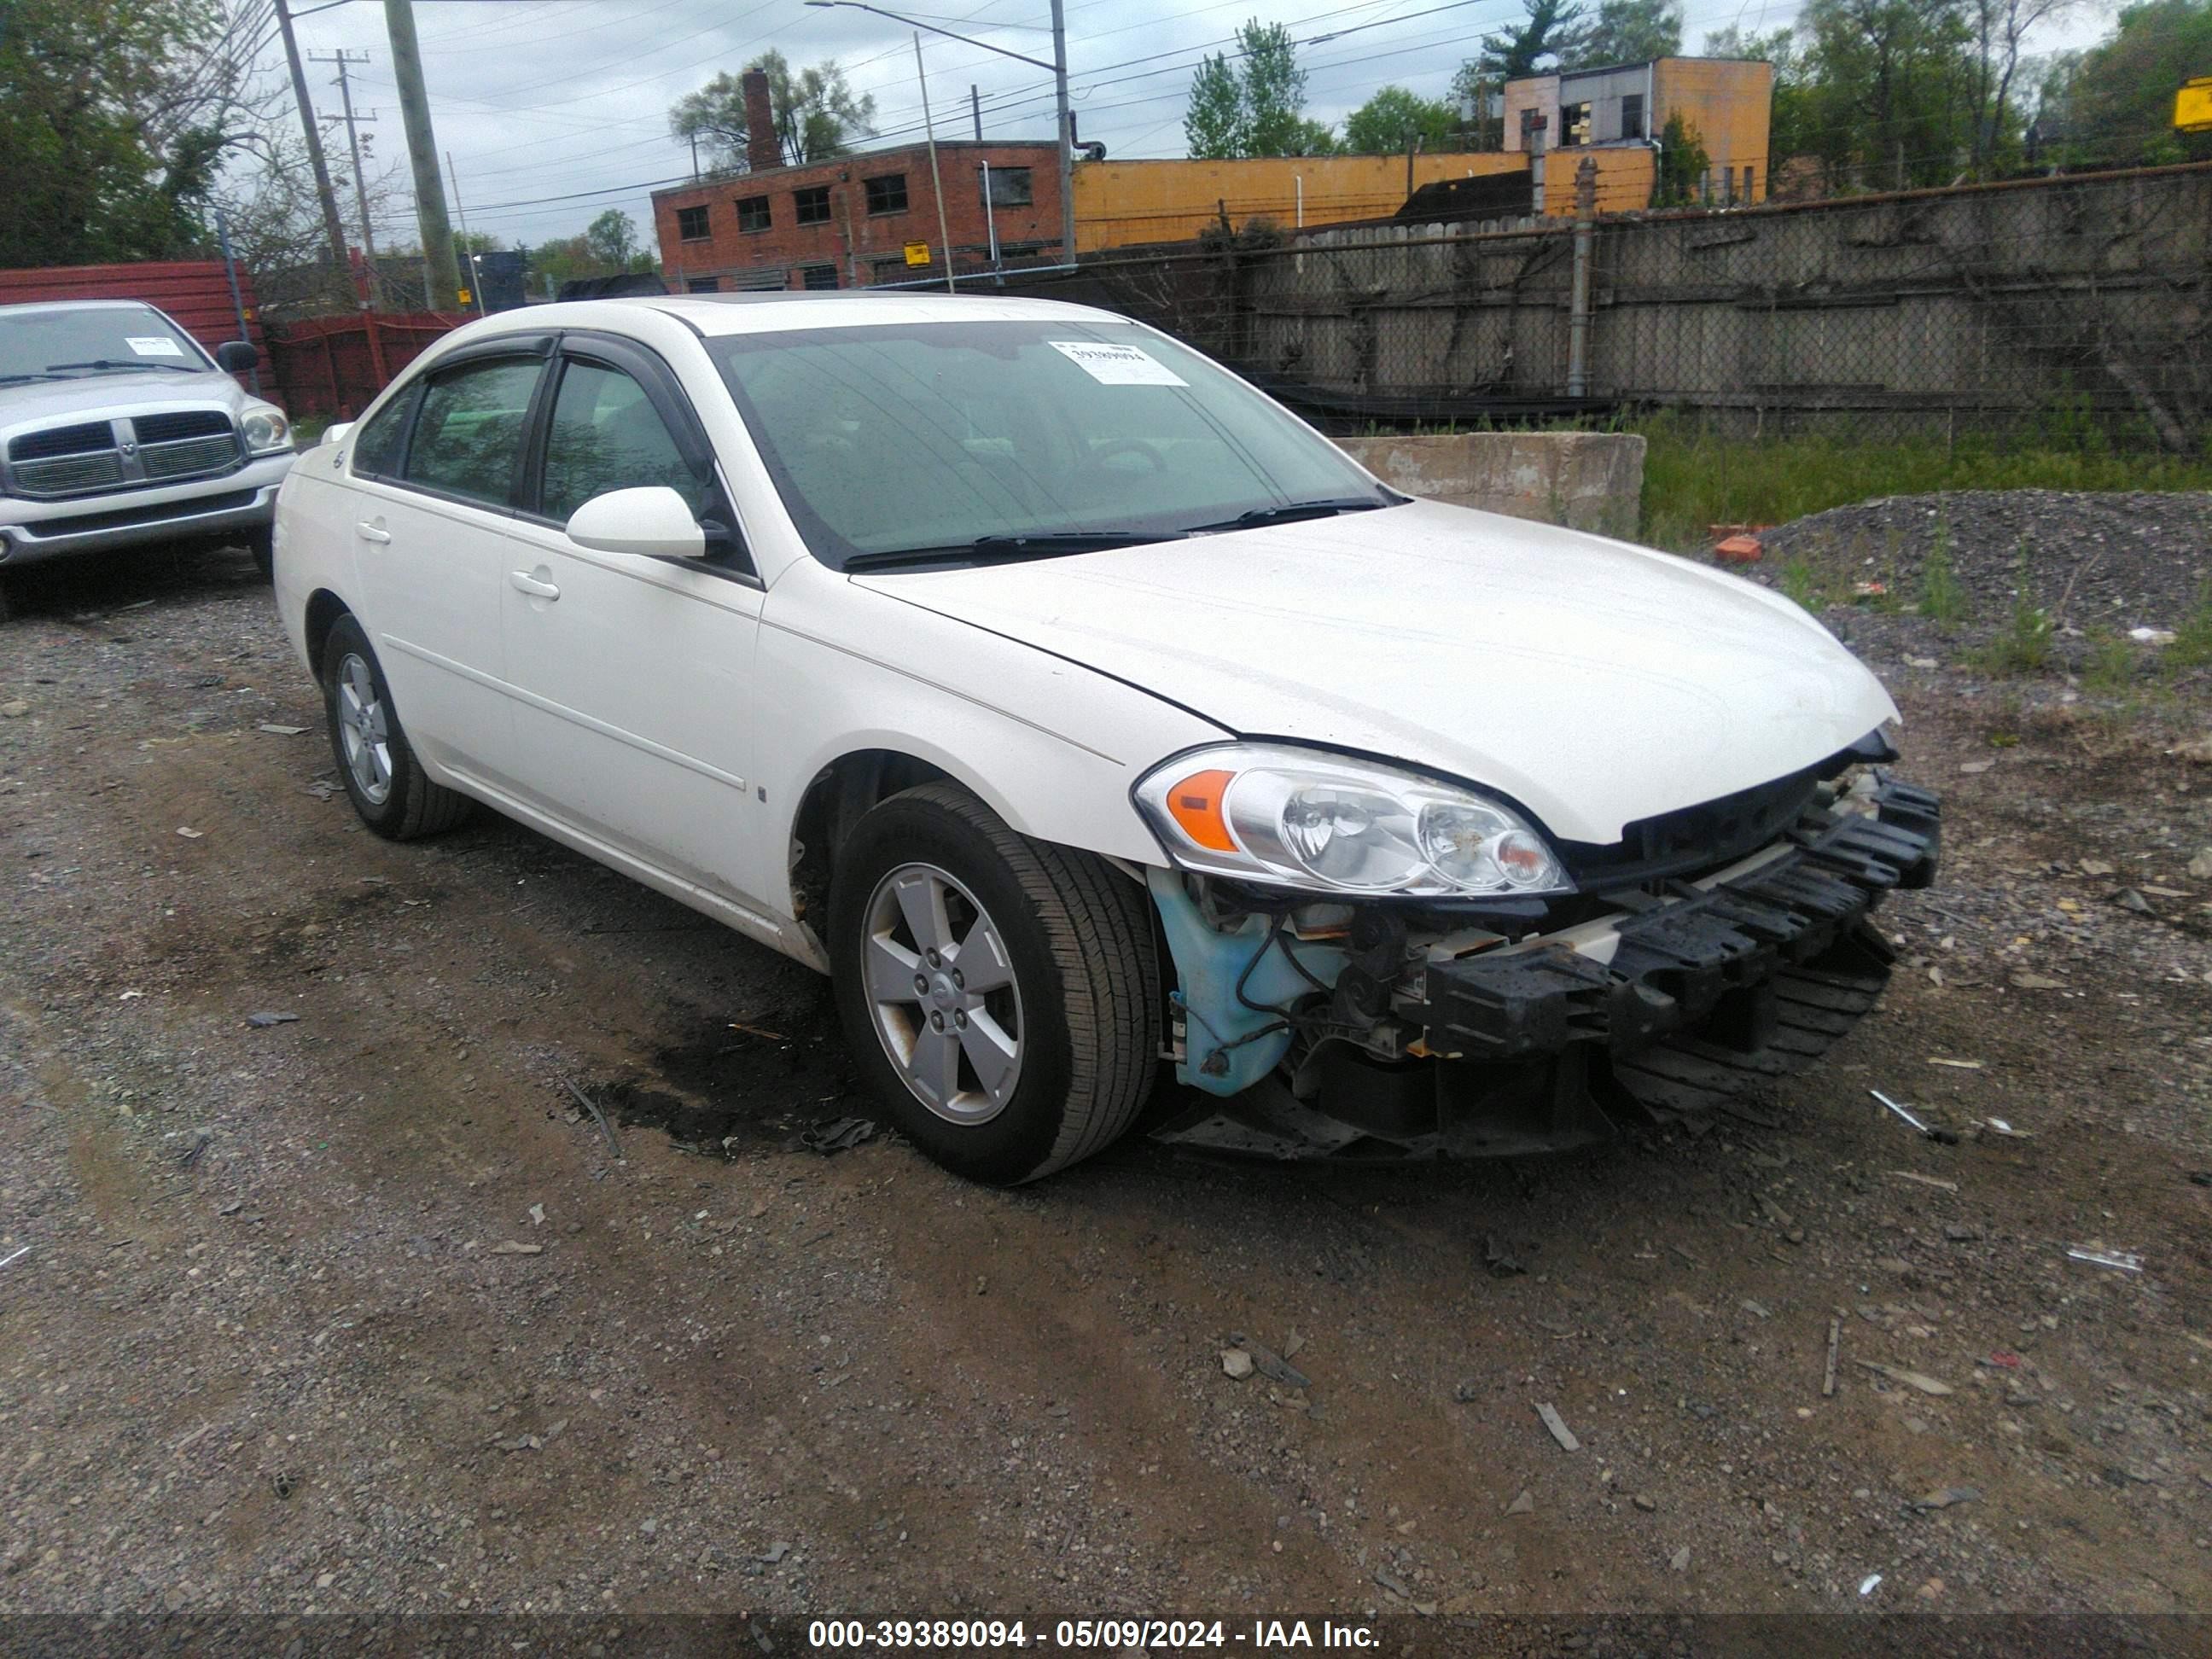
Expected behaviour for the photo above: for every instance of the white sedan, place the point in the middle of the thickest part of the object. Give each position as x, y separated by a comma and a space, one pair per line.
1088, 717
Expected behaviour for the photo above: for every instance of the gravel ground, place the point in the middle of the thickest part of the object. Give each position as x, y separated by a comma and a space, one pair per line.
360, 1312
2100, 565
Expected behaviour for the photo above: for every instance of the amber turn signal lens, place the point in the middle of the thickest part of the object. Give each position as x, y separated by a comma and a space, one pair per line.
1194, 803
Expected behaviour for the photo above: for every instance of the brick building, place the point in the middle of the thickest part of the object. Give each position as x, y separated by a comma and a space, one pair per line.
846, 223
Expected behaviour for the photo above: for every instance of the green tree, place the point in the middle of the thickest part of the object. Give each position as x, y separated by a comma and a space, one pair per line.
1628, 32
1550, 34
115, 119
1252, 102
815, 111
612, 239
1394, 117
2000, 30
1890, 91
1683, 164
2113, 105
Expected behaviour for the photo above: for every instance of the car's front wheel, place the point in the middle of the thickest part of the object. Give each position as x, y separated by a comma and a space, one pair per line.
1001, 994
384, 782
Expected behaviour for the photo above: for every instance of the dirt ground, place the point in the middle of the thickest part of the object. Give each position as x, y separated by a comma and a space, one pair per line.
360, 1311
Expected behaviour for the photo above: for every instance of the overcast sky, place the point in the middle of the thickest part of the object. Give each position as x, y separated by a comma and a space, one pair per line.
555, 110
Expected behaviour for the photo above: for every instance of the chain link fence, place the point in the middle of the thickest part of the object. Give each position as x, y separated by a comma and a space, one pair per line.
2076, 308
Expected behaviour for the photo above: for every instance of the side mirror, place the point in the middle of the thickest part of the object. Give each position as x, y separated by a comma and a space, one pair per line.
649, 523
237, 356
336, 432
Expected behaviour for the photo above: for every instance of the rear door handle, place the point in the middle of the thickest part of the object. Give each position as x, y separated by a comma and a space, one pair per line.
370, 532
524, 582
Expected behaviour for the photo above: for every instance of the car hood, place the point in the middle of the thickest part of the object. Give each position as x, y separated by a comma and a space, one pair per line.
1593, 682
115, 394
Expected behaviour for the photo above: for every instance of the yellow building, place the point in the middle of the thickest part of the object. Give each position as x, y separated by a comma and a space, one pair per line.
1727, 103
1124, 203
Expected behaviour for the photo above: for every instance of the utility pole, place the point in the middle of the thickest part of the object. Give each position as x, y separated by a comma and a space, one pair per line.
936, 181
975, 107
440, 275
475, 271
1066, 132
331, 226
342, 58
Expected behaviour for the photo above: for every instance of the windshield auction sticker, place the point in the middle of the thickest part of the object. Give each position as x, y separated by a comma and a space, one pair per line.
153, 345
1117, 365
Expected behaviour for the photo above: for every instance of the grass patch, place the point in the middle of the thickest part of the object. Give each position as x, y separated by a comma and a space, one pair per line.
2192, 636
1694, 478
2024, 647
2109, 668
1943, 595
1801, 585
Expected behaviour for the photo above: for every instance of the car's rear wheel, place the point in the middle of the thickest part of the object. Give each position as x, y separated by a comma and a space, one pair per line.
262, 544
384, 782
1001, 994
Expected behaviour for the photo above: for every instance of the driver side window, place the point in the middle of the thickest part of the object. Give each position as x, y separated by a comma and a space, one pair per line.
606, 435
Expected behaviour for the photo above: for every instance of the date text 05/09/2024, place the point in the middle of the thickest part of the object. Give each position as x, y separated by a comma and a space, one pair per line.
1111, 1635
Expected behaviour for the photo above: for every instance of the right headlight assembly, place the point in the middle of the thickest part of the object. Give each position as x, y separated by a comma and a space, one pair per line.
1281, 816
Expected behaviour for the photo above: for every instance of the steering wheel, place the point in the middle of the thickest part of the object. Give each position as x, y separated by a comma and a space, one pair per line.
1096, 459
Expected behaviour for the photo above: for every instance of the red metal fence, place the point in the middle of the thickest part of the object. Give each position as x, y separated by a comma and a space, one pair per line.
195, 292
331, 367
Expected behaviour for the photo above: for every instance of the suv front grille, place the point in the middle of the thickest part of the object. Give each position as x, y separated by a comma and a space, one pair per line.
189, 457
69, 475
180, 424
168, 445
62, 440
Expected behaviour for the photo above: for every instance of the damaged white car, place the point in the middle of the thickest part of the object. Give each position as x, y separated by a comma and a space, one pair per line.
1088, 717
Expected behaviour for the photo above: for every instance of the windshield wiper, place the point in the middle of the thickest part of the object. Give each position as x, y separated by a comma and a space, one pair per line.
1043, 545
1293, 510
30, 374
106, 362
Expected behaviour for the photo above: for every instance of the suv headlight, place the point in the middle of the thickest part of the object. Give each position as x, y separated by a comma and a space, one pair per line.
265, 428
1281, 816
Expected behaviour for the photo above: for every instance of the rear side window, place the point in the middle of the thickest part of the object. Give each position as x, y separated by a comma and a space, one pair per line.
468, 435
376, 445
606, 435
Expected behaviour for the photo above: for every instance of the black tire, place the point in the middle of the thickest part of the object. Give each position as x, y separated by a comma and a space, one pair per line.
7, 606
412, 806
1078, 937
262, 544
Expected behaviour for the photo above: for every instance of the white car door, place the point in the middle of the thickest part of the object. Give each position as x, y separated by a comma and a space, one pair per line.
433, 505
632, 676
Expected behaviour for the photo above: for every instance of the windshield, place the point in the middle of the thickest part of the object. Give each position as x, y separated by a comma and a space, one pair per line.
98, 340
1026, 439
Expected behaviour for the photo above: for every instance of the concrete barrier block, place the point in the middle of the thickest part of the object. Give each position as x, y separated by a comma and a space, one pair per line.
1586, 480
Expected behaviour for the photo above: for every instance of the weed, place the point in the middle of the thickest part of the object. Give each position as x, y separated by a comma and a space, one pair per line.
1800, 584
2192, 636
2108, 669
2025, 646
1943, 595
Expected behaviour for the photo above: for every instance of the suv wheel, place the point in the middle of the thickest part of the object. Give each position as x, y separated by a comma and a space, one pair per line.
384, 782
1002, 995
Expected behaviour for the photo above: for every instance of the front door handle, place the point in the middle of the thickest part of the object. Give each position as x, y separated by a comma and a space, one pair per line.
524, 582
371, 532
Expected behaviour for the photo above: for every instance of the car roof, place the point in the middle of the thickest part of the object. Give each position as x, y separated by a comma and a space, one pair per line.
715, 314
82, 305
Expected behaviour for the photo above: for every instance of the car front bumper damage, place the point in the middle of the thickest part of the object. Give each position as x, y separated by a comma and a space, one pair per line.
1685, 997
